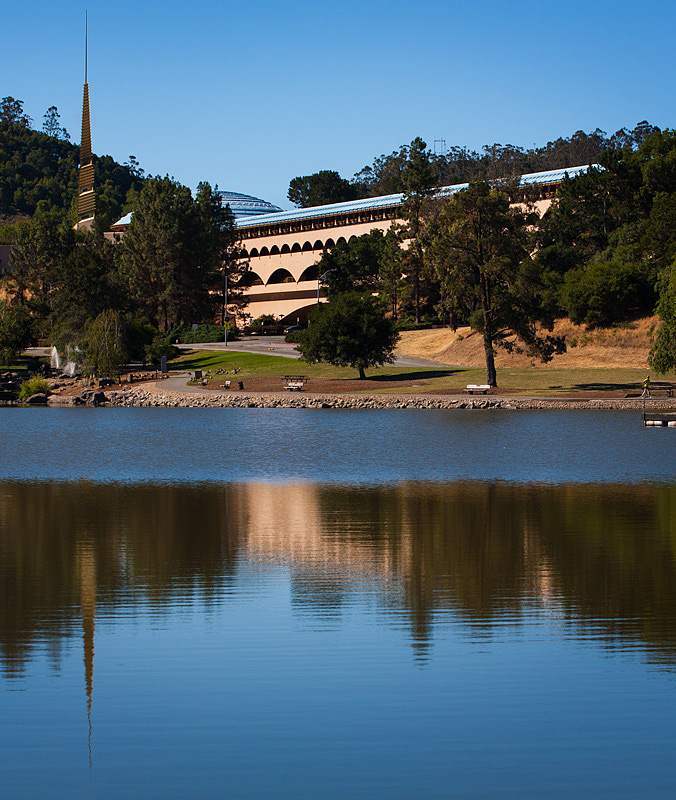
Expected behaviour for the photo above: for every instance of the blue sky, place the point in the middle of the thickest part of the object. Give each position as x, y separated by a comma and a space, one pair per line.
249, 95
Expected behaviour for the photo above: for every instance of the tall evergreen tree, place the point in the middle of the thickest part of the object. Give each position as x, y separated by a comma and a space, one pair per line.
479, 249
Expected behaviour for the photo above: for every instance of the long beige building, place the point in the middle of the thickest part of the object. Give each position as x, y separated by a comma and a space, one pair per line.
283, 248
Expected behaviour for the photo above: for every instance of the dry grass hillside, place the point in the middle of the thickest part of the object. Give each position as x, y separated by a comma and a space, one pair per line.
625, 345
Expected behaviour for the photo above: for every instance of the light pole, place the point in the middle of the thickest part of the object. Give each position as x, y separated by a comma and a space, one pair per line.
319, 282
225, 306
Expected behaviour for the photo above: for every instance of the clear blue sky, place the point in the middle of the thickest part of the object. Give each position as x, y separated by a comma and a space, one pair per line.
249, 95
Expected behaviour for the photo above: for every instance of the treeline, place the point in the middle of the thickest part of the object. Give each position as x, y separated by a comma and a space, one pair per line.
39, 170
387, 174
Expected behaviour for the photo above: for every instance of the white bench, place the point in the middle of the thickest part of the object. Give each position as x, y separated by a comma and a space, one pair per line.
295, 382
474, 388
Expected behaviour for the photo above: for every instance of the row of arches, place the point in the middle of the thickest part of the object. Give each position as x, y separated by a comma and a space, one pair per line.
307, 247
281, 275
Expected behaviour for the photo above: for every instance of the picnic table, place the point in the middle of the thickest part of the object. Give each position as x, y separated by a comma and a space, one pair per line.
295, 383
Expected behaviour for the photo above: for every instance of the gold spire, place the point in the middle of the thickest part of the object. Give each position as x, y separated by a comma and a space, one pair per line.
86, 203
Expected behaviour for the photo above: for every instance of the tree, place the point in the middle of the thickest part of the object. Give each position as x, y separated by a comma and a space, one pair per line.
222, 251
51, 124
662, 356
418, 180
86, 283
36, 250
478, 247
162, 253
391, 272
11, 111
351, 330
320, 189
353, 266
104, 343
15, 331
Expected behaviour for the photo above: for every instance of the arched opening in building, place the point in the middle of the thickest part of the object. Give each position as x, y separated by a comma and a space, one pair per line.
265, 251
296, 248
299, 316
310, 274
342, 240
253, 253
281, 276
329, 243
245, 253
318, 245
274, 250
307, 247
250, 278
285, 249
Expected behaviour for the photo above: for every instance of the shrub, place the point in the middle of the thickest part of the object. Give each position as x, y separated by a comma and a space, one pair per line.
34, 385
207, 332
160, 346
607, 292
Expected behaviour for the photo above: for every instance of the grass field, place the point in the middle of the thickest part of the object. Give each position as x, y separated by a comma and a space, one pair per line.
23, 364
265, 373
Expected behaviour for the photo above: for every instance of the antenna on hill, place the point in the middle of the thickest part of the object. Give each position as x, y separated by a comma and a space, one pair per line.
442, 147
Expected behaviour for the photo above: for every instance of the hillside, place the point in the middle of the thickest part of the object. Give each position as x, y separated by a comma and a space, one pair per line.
625, 345
38, 171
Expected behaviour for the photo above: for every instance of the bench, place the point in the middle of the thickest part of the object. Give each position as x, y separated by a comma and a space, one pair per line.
295, 383
474, 388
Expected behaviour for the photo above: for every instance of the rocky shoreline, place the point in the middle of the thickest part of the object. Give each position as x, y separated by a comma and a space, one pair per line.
157, 396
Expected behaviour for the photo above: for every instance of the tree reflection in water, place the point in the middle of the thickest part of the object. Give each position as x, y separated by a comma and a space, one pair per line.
472, 553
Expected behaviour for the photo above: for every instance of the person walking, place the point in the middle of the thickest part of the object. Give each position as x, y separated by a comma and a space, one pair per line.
646, 387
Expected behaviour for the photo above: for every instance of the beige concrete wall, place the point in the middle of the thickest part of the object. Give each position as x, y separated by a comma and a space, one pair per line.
287, 299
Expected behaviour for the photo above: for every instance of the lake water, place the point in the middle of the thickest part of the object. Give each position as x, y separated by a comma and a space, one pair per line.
283, 603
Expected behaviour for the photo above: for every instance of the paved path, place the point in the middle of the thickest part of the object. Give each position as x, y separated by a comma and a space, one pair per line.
276, 346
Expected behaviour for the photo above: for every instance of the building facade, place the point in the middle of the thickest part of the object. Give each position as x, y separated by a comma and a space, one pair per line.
283, 248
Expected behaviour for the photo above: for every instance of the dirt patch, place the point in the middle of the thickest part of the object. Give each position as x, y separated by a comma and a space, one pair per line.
319, 386
627, 345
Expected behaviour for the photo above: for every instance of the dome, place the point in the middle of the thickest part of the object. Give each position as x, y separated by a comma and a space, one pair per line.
244, 205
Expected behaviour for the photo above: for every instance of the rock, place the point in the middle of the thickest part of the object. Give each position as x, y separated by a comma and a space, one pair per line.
96, 399
39, 399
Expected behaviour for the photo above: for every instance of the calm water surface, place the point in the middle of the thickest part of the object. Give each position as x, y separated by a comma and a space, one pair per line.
252, 603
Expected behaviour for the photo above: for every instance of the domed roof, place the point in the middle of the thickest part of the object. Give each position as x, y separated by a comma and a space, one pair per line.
244, 205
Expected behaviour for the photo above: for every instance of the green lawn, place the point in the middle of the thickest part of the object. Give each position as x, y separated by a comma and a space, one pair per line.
540, 381
23, 364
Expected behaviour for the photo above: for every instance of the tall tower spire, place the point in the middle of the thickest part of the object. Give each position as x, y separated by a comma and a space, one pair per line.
86, 203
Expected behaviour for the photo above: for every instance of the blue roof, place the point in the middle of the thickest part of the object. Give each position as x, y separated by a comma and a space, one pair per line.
392, 200
245, 205
242, 206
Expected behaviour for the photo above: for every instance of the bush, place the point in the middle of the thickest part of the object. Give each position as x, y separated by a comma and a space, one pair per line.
160, 346
207, 332
607, 292
34, 385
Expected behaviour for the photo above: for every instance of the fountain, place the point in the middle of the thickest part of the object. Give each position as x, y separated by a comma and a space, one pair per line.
55, 359
71, 366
